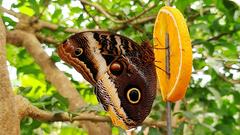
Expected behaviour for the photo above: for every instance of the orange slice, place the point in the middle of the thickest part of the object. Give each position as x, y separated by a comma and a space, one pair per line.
173, 85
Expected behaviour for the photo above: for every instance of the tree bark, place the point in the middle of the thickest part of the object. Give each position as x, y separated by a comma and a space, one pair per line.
9, 121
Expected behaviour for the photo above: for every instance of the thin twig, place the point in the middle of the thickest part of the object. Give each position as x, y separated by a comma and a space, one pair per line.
227, 79
47, 2
48, 39
95, 21
229, 66
194, 16
216, 37
222, 34
139, 21
138, 28
168, 3
169, 120
106, 14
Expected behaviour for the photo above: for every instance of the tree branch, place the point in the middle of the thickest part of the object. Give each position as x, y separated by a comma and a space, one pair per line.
216, 37
227, 79
213, 63
229, 66
106, 14
10, 12
9, 122
39, 24
44, 24
95, 21
139, 21
222, 34
194, 16
27, 109
49, 40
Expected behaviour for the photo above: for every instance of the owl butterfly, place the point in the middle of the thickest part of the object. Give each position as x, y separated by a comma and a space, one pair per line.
122, 72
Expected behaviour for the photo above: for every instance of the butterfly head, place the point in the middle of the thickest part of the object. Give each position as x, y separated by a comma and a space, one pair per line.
124, 84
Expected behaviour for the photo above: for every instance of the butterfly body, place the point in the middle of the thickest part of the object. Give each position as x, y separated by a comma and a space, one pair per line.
122, 72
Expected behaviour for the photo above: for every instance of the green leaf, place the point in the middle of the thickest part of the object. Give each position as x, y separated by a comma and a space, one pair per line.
179, 130
220, 5
208, 2
154, 131
115, 131
62, 2
79, 20
210, 47
9, 21
57, 14
34, 5
72, 130
215, 93
76, 10
24, 90
189, 115
230, 6
182, 5
29, 69
55, 57
21, 3
26, 10
63, 101
91, 25
28, 125
60, 28
224, 128
201, 130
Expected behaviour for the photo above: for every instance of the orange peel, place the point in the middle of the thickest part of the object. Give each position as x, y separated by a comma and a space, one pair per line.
173, 86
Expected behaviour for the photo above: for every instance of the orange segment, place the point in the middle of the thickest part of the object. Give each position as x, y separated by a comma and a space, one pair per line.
170, 20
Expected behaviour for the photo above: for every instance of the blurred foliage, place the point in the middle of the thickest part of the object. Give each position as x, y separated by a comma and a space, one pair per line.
212, 103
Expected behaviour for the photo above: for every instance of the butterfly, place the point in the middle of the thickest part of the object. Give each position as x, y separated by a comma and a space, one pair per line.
122, 72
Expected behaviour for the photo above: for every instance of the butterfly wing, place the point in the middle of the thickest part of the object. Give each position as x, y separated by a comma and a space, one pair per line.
122, 72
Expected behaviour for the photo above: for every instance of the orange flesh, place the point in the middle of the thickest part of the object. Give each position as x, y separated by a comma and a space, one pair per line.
171, 21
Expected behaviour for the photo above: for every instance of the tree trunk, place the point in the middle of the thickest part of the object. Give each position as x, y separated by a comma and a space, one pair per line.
9, 121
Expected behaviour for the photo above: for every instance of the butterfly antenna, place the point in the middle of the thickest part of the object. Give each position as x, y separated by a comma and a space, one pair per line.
158, 61
162, 70
159, 43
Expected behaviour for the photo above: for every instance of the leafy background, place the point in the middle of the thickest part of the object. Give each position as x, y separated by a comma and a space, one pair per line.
211, 105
